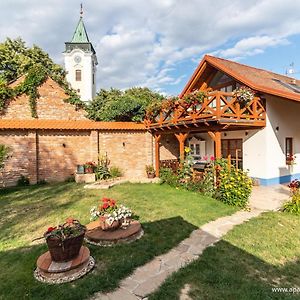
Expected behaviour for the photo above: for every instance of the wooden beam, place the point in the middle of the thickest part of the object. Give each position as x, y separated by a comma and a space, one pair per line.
216, 137
157, 138
181, 137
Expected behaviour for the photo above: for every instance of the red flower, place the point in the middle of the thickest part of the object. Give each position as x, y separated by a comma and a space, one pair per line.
105, 199
105, 205
112, 202
51, 229
212, 158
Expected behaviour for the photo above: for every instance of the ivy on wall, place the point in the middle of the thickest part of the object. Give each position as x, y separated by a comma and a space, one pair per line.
16, 60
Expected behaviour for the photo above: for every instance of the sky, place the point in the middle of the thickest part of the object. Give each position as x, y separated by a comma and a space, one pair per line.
159, 43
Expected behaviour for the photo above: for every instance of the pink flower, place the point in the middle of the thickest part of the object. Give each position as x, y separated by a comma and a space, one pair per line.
212, 158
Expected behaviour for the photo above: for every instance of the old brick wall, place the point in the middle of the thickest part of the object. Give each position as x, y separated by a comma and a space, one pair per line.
59, 152
50, 105
169, 148
130, 151
22, 156
52, 155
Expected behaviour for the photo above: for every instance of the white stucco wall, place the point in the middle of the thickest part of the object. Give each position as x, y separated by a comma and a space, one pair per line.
86, 86
264, 150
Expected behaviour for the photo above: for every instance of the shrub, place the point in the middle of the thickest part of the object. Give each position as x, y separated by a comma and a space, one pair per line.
102, 172
293, 205
234, 187
167, 176
23, 181
115, 172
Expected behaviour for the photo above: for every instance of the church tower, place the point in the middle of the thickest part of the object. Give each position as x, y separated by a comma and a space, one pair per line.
80, 62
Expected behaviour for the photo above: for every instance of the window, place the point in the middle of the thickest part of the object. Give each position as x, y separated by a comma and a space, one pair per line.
93, 78
289, 151
78, 75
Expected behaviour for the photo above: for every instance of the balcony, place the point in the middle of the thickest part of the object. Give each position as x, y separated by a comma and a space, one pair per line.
216, 107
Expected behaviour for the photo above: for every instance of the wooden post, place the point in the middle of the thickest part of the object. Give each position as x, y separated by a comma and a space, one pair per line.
181, 137
157, 138
216, 136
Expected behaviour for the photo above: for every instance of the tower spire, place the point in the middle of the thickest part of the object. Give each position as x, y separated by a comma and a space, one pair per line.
81, 10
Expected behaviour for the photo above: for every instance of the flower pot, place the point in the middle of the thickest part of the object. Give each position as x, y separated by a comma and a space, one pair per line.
65, 250
151, 175
104, 225
88, 170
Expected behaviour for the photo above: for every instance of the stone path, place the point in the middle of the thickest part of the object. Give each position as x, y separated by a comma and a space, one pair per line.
146, 279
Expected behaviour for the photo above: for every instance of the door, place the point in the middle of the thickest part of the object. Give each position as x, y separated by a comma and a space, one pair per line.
234, 148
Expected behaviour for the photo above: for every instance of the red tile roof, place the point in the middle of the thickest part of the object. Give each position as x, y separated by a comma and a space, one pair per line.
69, 125
257, 79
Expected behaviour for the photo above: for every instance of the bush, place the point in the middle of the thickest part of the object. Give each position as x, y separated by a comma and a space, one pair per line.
293, 205
23, 181
102, 172
115, 172
167, 176
234, 187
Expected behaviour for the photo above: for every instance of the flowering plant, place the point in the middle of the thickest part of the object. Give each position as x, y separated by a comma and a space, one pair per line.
294, 186
194, 97
243, 94
70, 228
112, 212
290, 159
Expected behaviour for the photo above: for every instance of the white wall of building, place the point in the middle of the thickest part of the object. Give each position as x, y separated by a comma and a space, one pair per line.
86, 88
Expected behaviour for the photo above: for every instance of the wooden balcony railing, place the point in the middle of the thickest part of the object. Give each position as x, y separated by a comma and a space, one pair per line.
216, 105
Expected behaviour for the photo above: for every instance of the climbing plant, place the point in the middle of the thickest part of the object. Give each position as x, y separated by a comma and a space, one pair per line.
4, 151
16, 60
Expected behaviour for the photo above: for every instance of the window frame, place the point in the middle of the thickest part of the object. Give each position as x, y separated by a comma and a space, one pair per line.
78, 75
289, 149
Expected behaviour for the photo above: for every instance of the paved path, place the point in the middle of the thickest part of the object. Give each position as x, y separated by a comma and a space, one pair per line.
147, 278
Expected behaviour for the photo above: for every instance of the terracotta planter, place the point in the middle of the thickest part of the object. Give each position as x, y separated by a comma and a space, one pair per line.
65, 250
88, 170
104, 225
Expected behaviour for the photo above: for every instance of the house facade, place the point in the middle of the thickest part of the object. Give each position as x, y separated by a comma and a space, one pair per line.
263, 137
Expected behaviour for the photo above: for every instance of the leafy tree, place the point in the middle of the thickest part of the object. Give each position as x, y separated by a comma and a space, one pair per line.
16, 59
117, 105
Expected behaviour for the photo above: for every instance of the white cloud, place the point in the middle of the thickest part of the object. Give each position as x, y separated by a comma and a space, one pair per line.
251, 46
140, 42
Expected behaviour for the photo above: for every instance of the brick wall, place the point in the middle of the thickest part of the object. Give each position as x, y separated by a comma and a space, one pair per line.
50, 105
130, 151
52, 155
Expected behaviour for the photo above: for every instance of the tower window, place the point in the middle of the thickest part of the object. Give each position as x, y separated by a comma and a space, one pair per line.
78, 75
93, 78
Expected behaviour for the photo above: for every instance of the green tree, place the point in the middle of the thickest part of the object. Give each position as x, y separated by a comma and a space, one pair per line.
16, 59
117, 105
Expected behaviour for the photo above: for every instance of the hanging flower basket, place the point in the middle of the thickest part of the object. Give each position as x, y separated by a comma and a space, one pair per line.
244, 95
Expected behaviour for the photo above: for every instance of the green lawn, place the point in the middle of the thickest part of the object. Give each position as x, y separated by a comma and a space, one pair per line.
251, 259
167, 215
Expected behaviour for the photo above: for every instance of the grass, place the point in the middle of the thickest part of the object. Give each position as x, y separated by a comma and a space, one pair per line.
167, 215
252, 259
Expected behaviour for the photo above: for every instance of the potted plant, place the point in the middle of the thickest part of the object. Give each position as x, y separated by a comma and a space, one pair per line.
291, 159
150, 171
65, 240
89, 167
111, 216
243, 95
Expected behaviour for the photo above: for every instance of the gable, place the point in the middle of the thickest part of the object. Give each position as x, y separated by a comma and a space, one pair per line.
49, 106
257, 79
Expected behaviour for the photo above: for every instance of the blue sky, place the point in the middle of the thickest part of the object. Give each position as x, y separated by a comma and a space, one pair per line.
158, 43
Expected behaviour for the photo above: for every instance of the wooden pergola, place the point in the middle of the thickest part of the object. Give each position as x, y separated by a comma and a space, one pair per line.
217, 112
